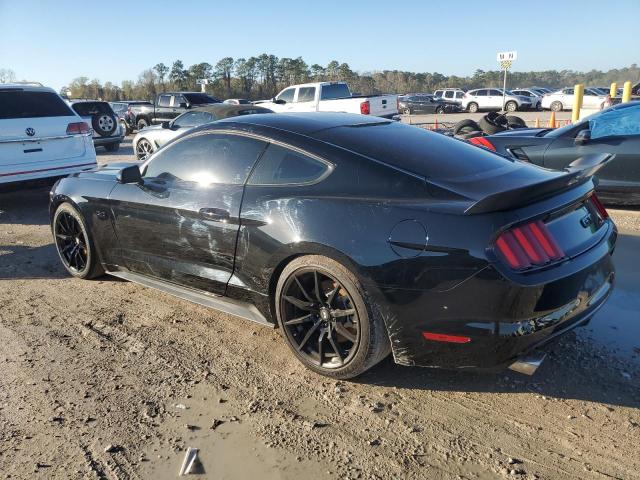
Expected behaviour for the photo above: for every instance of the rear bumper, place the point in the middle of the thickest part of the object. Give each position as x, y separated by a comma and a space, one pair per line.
58, 168
499, 319
102, 141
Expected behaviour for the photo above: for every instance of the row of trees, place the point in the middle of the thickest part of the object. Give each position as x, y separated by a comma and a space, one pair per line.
263, 76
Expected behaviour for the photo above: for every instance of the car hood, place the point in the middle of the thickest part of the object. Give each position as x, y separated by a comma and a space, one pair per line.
152, 127
520, 132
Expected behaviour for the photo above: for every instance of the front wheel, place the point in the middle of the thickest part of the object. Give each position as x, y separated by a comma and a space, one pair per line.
74, 244
325, 319
472, 107
406, 111
142, 123
440, 110
556, 106
143, 149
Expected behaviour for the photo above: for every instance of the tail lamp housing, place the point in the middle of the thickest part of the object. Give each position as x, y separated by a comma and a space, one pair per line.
528, 246
365, 108
482, 142
78, 128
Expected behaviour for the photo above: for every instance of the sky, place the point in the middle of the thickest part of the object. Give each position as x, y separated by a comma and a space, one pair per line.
54, 42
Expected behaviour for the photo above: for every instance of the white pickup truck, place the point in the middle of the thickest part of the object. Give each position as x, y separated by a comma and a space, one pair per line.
331, 97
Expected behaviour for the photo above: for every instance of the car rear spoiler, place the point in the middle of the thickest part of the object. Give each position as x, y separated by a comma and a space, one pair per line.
578, 172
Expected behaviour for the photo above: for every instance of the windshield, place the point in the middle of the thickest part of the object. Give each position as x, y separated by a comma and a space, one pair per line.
610, 114
200, 98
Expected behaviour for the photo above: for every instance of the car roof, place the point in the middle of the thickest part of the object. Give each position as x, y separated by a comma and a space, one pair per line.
227, 109
305, 123
31, 87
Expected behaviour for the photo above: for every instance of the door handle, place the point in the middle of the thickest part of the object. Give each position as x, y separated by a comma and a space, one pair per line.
215, 214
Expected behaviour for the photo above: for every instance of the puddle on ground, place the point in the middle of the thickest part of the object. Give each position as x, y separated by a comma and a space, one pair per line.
230, 451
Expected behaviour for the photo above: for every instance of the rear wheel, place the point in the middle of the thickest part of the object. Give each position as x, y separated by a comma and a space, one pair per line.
406, 111
473, 107
556, 106
142, 123
325, 319
143, 149
74, 244
440, 110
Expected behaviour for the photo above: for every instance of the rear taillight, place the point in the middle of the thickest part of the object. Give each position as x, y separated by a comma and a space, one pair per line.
529, 245
482, 142
77, 128
365, 108
599, 207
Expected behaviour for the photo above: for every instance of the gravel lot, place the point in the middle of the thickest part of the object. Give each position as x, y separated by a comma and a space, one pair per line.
107, 379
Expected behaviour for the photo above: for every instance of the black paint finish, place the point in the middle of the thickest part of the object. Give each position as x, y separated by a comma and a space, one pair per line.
402, 226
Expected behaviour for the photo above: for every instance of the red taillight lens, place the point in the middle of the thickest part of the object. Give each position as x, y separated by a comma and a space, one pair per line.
365, 108
528, 246
599, 207
77, 128
482, 142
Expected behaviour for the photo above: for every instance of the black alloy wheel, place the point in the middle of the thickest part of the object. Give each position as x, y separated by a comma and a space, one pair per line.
319, 318
73, 243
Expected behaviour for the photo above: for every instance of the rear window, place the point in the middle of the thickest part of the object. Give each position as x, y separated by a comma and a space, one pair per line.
335, 90
23, 104
434, 156
88, 109
200, 98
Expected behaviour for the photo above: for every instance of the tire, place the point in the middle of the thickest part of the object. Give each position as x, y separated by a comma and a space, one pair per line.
74, 243
406, 111
322, 342
144, 148
493, 123
104, 124
112, 147
511, 106
440, 110
516, 122
473, 107
556, 106
142, 122
465, 126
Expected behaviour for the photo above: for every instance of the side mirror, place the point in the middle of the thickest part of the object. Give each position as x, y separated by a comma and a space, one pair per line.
582, 137
130, 174
183, 105
279, 101
166, 124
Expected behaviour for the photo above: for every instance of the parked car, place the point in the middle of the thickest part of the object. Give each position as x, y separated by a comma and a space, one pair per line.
237, 101
40, 135
331, 97
534, 96
635, 90
168, 106
355, 235
615, 130
107, 129
563, 99
491, 99
452, 94
152, 138
416, 103
125, 116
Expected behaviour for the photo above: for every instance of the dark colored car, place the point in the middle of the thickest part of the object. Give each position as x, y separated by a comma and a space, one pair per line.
409, 104
168, 106
615, 130
357, 236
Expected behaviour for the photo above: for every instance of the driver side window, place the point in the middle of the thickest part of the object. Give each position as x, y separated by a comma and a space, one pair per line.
203, 159
192, 119
287, 95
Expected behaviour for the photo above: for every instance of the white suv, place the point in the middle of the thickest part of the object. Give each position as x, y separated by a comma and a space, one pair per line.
452, 94
491, 99
40, 136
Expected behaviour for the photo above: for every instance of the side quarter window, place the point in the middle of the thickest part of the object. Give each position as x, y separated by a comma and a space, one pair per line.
204, 159
283, 166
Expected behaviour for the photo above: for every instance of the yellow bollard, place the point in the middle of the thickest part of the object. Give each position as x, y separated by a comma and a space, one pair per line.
614, 90
626, 93
552, 120
578, 93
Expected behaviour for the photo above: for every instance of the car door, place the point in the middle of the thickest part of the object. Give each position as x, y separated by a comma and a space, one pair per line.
617, 132
284, 100
178, 106
163, 109
481, 97
567, 98
305, 101
181, 224
494, 99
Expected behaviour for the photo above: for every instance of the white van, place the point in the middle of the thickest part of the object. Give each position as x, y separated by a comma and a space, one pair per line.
40, 135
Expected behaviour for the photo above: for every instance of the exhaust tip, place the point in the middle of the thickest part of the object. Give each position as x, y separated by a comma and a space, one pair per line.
529, 363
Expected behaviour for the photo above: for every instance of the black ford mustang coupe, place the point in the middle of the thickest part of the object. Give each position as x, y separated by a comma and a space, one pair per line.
356, 236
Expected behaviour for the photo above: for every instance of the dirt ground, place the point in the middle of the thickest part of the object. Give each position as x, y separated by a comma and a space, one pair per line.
108, 379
